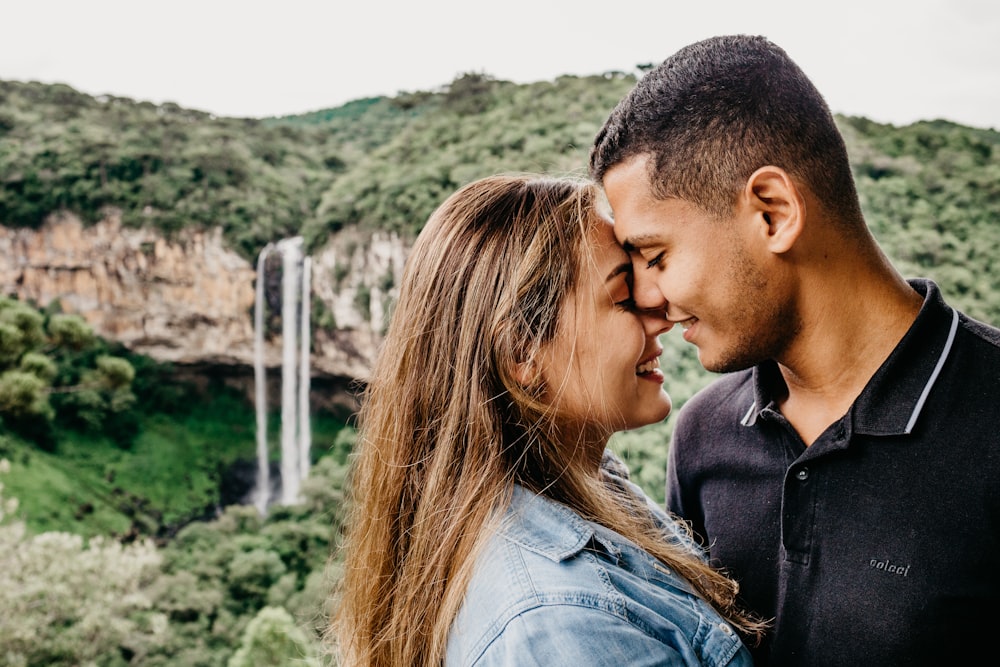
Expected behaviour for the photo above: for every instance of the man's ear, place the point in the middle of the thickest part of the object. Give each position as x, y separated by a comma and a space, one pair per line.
777, 207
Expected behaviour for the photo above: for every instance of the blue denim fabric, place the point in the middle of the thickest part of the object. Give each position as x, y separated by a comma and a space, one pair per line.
554, 589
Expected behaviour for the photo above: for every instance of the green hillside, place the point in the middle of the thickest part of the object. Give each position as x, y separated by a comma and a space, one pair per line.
929, 189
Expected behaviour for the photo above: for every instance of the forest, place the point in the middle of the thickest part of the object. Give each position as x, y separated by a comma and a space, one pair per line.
122, 541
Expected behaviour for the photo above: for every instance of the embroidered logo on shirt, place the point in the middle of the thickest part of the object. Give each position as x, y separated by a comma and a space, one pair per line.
888, 566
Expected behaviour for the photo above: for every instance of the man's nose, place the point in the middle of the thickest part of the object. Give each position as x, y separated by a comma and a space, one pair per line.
646, 293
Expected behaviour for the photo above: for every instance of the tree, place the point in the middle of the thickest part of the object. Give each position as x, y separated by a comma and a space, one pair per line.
23, 395
70, 331
69, 602
60, 356
21, 330
274, 639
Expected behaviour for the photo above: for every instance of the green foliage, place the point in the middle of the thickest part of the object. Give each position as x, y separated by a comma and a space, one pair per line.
160, 165
113, 372
11, 343
52, 367
251, 573
69, 601
187, 451
273, 638
192, 601
170, 475
102, 398
218, 576
39, 365
22, 395
931, 194
70, 331
262, 180
470, 93
363, 301
26, 325
55, 494
479, 126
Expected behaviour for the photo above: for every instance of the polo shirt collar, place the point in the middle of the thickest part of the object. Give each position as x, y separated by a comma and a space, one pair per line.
892, 401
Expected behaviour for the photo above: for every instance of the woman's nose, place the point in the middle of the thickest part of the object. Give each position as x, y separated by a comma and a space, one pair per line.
655, 322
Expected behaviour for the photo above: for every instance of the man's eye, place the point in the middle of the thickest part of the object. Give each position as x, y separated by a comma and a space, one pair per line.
655, 261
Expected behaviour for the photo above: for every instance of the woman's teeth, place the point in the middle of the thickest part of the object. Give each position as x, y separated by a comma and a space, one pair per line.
648, 366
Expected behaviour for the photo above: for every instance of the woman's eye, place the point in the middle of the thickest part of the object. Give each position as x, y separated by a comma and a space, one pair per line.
626, 304
655, 261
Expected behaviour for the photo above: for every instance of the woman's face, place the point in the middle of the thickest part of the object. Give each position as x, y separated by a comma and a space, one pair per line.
602, 368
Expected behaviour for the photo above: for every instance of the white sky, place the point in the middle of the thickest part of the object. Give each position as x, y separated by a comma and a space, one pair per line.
892, 61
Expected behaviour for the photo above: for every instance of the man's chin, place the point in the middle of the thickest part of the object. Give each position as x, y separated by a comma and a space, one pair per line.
720, 364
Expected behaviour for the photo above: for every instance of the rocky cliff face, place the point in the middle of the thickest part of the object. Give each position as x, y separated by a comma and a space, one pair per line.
190, 300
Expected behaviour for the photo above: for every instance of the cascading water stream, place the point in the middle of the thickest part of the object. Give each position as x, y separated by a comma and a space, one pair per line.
262, 490
305, 308
295, 374
291, 258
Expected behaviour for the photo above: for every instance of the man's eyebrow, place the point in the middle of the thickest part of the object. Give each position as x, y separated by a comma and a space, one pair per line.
634, 243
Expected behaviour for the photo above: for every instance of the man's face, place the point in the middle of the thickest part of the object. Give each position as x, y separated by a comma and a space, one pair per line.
708, 273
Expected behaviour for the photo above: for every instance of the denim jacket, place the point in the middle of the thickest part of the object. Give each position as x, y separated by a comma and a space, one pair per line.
553, 589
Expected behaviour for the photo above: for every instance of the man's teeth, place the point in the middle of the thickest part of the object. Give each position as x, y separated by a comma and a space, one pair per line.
688, 323
648, 366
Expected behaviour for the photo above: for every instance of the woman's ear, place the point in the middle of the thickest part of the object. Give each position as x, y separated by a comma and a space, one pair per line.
777, 207
525, 372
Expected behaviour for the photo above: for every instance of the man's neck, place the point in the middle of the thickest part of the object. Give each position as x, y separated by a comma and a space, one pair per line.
844, 341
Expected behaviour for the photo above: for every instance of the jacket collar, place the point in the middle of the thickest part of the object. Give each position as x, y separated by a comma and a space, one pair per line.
548, 528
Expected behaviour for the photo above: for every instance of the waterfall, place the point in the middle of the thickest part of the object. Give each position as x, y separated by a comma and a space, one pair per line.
295, 384
262, 491
305, 433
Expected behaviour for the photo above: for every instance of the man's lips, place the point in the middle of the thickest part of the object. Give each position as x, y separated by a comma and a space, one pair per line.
686, 325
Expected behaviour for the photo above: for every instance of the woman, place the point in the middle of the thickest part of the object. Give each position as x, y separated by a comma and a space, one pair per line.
484, 530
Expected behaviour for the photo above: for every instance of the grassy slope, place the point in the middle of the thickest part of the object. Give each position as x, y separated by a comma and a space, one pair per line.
170, 476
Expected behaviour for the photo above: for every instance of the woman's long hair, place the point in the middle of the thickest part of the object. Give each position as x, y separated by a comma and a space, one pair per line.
446, 429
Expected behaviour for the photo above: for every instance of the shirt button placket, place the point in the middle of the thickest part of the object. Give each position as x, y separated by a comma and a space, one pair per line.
796, 528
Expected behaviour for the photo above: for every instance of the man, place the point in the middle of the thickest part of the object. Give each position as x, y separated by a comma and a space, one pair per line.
846, 469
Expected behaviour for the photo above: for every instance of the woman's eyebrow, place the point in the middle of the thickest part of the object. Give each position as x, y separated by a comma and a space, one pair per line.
624, 267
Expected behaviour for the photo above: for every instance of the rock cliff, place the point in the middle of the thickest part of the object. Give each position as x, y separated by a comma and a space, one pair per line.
189, 299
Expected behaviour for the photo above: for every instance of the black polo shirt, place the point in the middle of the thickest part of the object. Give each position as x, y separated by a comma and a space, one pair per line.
880, 543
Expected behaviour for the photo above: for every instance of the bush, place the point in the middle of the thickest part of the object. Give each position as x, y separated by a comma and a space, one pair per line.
272, 638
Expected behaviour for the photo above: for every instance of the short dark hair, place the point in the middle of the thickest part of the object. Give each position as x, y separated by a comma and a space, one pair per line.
718, 110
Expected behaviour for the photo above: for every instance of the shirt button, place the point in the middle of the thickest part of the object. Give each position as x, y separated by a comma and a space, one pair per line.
802, 475
726, 630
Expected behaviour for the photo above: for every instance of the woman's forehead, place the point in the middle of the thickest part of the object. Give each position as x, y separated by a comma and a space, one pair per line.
606, 254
